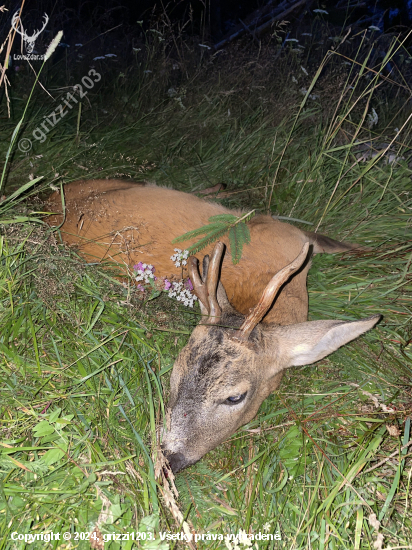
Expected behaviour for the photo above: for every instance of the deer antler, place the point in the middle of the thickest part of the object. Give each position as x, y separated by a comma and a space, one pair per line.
15, 19
36, 33
266, 300
206, 290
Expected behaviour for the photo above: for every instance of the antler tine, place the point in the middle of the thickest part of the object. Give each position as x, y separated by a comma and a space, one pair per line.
266, 300
199, 288
16, 17
215, 312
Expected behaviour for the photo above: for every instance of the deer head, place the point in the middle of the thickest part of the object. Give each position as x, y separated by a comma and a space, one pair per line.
28, 40
232, 363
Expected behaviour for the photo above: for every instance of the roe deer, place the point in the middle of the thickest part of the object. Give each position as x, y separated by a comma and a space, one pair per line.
254, 323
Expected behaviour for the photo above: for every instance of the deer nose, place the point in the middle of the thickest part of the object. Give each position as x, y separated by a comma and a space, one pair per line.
177, 461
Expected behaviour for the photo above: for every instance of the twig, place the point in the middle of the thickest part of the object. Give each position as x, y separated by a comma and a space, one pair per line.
388, 457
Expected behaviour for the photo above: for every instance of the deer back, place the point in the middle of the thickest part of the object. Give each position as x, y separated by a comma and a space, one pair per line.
114, 220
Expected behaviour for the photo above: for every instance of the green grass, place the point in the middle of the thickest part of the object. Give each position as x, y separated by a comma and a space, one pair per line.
85, 361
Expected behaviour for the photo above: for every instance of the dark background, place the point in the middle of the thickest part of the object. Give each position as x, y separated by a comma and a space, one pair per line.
210, 18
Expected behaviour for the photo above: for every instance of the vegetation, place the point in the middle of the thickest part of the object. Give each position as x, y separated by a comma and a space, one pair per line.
85, 358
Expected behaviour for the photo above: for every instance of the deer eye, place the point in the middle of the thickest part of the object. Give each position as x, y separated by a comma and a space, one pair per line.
235, 399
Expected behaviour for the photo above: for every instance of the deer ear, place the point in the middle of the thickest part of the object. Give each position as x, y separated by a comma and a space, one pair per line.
306, 343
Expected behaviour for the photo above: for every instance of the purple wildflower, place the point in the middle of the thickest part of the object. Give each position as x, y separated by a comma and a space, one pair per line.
188, 285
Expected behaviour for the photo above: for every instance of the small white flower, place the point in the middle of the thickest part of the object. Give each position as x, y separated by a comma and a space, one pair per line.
244, 539
295, 80
266, 526
182, 294
372, 119
304, 91
180, 257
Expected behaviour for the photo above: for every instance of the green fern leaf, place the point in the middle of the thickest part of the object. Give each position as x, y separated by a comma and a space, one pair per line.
226, 218
245, 232
238, 236
209, 238
235, 244
221, 224
199, 231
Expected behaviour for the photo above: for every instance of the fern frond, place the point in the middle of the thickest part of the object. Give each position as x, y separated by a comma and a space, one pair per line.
245, 232
196, 232
226, 218
234, 244
210, 238
221, 224
238, 236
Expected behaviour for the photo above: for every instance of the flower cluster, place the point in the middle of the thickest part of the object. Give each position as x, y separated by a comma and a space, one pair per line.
145, 272
182, 292
180, 258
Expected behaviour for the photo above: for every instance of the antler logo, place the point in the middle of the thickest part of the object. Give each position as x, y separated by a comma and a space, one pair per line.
28, 40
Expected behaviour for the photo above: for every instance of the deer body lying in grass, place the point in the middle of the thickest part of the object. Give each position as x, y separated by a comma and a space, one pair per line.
254, 314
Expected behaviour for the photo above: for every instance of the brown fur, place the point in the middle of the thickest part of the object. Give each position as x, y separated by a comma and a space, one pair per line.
127, 222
